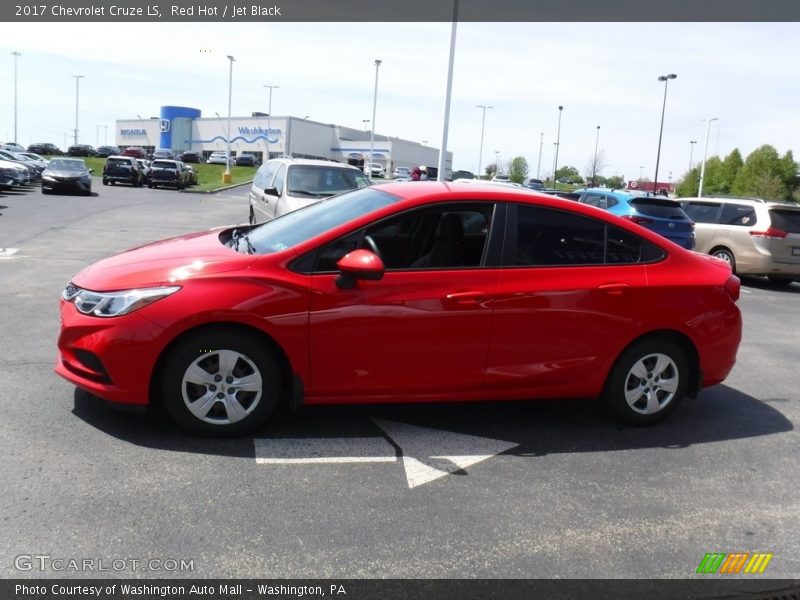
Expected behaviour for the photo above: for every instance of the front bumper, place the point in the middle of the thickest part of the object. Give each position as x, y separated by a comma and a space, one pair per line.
112, 358
82, 186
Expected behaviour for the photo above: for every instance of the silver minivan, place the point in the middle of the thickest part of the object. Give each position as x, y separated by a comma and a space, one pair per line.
756, 237
282, 185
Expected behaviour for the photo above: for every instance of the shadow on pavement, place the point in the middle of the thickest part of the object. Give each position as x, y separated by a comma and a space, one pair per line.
539, 427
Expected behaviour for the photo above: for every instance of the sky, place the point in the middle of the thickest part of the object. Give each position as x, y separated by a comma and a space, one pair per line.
603, 74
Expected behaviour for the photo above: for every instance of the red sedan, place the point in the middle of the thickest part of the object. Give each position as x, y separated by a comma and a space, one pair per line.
403, 293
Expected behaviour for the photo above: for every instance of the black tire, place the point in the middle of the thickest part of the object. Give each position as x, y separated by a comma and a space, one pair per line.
634, 392
780, 281
725, 255
248, 357
105, 181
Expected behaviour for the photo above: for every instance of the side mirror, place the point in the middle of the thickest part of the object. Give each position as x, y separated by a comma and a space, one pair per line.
272, 191
358, 264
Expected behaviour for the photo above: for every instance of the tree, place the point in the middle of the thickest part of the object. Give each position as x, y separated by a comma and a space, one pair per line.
731, 166
491, 169
689, 186
765, 175
594, 166
519, 169
616, 182
567, 172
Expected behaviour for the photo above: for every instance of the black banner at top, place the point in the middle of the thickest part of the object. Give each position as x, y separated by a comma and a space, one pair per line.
398, 10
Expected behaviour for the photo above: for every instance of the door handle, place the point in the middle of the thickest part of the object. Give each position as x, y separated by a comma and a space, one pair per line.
471, 297
614, 289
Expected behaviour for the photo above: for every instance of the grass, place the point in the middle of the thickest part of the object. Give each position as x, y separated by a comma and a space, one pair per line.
209, 177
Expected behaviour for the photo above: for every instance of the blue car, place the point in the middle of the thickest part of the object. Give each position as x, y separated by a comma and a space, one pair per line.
657, 213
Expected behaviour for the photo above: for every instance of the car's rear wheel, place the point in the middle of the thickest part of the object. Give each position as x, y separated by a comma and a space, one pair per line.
647, 382
726, 255
105, 181
220, 382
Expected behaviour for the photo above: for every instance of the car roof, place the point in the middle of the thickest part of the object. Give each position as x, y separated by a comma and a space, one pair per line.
313, 161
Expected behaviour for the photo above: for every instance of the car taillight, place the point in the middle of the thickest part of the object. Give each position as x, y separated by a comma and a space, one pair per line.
772, 232
637, 219
733, 286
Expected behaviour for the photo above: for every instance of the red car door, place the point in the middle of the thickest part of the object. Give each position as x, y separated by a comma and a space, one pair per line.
564, 302
421, 329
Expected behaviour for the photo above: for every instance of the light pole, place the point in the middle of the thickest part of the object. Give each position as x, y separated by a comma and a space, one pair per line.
594, 163
539, 162
496, 162
691, 152
15, 54
483, 124
269, 115
641, 168
97, 136
372, 132
77, 85
705, 153
226, 176
105, 134
665, 79
558, 143
448, 92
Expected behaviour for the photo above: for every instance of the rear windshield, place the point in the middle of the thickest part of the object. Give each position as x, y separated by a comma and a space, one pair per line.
658, 207
163, 164
785, 219
114, 162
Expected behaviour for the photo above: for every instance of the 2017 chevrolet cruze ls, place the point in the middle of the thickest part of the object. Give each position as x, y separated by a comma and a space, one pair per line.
404, 292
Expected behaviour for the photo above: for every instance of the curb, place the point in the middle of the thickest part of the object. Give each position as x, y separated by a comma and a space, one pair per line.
221, 189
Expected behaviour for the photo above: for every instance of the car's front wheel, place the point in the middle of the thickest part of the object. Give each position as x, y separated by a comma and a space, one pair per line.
220, 382
647, 382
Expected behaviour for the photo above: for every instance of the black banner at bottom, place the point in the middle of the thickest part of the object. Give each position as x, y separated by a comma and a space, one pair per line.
400, 589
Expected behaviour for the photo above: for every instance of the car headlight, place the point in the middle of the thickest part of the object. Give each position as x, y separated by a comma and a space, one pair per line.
114, 304
49, 178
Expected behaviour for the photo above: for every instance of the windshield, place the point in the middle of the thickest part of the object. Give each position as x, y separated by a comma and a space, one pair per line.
163, 164
321, 181
301, 225
67, 165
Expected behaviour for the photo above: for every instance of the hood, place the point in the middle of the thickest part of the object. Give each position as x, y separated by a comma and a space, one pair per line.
163, 263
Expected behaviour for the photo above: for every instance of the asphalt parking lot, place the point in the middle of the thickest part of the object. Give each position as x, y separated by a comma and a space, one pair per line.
503, 490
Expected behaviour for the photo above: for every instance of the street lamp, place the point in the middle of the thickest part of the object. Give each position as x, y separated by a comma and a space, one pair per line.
594, 164
372, 132
558, 143
97, 136
665, 79
641, 168
705, 152
483, 124
269, 115
496, 162
226, 176
77, 85
539, 163
15, 54
691, 152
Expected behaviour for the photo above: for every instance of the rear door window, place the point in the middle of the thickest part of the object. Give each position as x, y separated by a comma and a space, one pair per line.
658, 207
702, 212
738, 214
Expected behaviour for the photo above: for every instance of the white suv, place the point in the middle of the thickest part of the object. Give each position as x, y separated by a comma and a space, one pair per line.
282, 185
754, 236
376, 168
218, 158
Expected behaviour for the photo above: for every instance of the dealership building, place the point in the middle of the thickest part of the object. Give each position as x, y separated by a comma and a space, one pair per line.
181, 128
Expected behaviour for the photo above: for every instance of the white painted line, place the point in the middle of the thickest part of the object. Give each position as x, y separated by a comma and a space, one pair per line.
288, 451
429, 454
8, 252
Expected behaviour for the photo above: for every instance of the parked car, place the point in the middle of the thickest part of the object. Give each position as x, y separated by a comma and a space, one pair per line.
246, 159
168, 172
163, 153
662, 215
440, 293
191, 174
34, 171
401, 173
67, 175
218, 158
144, 165
501, 178
37, 162
753, 236
81, 150
12, 147
282, 185
13, 175
192, 157
45, 149
123, 169
106, 151
533, 183
376, 169
135, 151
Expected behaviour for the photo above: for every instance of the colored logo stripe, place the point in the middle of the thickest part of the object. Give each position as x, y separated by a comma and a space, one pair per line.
722, 563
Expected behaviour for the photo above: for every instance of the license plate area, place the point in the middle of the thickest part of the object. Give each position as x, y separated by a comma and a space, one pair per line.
795, 250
